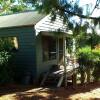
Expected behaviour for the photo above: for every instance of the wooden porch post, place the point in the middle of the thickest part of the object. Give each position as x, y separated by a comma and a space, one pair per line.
64, 60
74, 62
57, 47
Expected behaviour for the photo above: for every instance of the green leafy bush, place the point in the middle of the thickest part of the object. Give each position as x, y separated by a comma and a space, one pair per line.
89, 58
96, 71
85, 56
5, 68
96, 53
96, 60
6, 43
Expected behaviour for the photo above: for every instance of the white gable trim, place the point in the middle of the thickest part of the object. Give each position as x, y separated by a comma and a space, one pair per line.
48, 26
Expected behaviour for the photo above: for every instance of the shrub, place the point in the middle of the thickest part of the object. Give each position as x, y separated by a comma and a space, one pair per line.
96, 72
85, 56
6, 74
89, 58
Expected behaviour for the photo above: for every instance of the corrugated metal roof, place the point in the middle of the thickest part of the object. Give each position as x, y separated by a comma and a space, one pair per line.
20, 19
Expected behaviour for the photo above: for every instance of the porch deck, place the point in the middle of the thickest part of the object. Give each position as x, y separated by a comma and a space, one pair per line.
57, 76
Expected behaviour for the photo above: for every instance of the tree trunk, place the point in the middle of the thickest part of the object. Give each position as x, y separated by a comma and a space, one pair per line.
64, 61
74, 80
88, 74
82, 76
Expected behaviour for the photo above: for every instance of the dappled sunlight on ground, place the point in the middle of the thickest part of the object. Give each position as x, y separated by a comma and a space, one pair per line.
7, 97
92, 94
87, 92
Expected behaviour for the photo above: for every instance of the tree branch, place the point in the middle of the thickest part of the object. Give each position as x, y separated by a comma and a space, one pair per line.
79, 15
95, 6
83, 16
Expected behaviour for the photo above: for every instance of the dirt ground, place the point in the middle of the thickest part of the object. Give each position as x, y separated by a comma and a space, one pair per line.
86, 92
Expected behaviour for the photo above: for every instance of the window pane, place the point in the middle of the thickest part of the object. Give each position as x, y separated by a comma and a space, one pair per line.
49, 48
61, 50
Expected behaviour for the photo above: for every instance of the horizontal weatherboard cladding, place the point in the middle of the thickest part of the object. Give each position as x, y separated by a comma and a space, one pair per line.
25, 57
47, 25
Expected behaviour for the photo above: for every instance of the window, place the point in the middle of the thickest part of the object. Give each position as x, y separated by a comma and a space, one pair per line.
8, 43
49, 48
61, 50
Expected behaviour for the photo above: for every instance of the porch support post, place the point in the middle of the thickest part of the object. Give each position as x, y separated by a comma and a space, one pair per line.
64, 60
74, 62
74, 47
57, 50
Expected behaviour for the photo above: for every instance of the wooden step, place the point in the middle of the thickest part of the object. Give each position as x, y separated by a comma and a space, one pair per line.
56, 77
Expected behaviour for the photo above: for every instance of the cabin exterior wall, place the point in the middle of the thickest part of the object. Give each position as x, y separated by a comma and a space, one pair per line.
25, 59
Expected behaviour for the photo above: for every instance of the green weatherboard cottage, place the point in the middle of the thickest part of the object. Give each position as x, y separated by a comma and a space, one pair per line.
35, 38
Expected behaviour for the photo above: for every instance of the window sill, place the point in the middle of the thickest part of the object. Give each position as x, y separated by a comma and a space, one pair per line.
48, 61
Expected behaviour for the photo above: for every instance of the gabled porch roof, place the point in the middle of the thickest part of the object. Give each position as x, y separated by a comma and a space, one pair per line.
46, 25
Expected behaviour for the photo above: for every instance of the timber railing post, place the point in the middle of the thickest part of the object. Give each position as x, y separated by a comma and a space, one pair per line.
74, 76
64, 60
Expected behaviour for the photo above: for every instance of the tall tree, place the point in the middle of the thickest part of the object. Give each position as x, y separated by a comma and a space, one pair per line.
68, 10
12, 6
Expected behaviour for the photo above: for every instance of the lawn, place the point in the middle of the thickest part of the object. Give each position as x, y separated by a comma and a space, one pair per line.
15, 92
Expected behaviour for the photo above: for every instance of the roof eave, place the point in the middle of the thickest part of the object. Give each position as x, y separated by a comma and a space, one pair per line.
18, 26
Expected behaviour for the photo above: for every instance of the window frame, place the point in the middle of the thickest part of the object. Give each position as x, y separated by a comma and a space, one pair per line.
46, 41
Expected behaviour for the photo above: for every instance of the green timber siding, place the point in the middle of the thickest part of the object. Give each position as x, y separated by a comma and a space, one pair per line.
25, 59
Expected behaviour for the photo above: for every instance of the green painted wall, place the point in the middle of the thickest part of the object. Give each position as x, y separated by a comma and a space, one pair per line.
25, 59
29, 58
